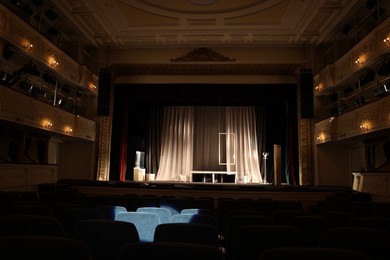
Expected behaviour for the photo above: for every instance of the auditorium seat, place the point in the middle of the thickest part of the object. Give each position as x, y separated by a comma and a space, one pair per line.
205, 211
382, 209
175, 204
31, 225
110, 211
237, 221
187, 233
283, 216
312, 227
105, 237
43, 247
251, 240
371, 241
163, 213
71, 216
134, 201
194, 218
169, 250
145, 222
31, 209
311, 253
372, 222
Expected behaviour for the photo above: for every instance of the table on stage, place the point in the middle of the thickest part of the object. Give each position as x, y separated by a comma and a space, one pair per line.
213, 176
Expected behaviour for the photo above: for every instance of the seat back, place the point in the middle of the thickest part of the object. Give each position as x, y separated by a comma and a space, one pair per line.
109, 211
187, 233
251, 240
31, 209
105, 237
145, 222
237, 221
31, 225
372, 222
204, 211
311, 253
194, 218
371, 241
312, 227
43, 247
169, 250
71, 216
163, 213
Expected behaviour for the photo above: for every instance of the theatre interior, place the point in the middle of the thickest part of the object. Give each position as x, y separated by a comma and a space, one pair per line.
132, 125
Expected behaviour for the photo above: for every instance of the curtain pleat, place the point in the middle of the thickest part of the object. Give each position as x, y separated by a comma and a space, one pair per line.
176, 157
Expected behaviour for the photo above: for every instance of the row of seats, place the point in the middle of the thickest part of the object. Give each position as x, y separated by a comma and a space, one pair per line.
47, 247
244, 232
227, 226
105, 240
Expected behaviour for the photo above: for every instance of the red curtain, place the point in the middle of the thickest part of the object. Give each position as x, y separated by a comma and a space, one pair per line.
123, 145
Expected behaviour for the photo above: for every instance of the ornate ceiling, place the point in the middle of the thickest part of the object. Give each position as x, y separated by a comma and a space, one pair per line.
170, 23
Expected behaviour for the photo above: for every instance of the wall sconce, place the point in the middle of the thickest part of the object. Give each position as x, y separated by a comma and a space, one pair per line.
364, 126
68, 130
386, 40
27, 45
47, 124
53, 62
359, 61
92, 86
321, 137
319, 87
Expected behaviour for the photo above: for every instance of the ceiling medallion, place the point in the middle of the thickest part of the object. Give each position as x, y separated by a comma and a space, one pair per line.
202, 2
203, 54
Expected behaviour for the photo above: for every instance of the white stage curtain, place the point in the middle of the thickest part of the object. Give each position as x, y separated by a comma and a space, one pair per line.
176, 157
242, 122
184, 149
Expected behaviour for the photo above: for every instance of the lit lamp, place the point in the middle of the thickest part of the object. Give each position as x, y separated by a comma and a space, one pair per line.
27, 45
92, 86
68, 130
53, 62
387, 40
319, 87
359, 61
47, 124
364, 126
321, 137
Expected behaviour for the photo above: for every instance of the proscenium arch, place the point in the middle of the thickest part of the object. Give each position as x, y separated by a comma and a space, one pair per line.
186, 73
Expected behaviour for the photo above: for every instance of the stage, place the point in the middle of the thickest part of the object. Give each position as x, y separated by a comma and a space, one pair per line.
308, 195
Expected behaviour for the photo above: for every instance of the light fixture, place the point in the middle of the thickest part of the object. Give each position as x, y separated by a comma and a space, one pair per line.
54, 64
321, 137
319, 87
27, 45
92, 86
364, 126
47, 124
68, 130
52, 61
359, 62
387, 40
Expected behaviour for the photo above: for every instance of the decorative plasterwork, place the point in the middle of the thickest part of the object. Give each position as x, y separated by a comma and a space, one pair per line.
147, 23
205, 69
203, 54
